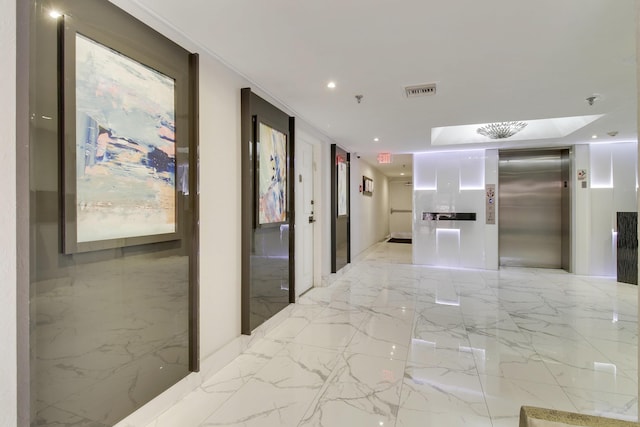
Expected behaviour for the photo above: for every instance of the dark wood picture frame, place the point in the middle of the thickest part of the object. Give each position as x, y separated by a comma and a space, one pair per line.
367, 186
68, 33
260, 164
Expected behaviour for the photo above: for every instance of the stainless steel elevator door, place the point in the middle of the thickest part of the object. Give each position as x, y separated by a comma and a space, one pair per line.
530, 209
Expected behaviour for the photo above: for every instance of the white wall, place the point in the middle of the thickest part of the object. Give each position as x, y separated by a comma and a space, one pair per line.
612, 180
369, 214
400, 198
219, 223
454, 182
8, 277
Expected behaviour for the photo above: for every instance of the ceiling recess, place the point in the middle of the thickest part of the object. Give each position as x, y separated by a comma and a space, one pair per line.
420, 90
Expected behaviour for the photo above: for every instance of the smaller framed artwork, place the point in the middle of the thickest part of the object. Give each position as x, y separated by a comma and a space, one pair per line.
367, 186
271, 173
342, 186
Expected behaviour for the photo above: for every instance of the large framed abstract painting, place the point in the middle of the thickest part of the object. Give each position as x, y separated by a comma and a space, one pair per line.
120, 148
342, 186
271, 171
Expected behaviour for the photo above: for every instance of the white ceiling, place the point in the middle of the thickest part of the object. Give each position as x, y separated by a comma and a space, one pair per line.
492, 60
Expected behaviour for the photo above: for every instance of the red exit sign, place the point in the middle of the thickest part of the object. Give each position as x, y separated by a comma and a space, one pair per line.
384, 158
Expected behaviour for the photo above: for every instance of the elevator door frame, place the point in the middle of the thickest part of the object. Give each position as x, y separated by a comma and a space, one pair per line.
566, 165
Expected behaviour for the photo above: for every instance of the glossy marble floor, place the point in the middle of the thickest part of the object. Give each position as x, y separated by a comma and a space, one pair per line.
393, 344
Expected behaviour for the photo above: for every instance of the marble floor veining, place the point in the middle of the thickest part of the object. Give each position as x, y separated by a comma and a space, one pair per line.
394, 344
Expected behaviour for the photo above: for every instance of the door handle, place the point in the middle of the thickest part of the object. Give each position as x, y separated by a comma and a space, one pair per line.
311, 219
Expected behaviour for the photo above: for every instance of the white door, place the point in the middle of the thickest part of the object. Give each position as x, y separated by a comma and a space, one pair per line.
305, 217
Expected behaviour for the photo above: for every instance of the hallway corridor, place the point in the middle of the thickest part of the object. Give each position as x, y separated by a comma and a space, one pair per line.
393, 344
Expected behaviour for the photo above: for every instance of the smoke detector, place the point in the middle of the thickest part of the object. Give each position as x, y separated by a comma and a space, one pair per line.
420, 90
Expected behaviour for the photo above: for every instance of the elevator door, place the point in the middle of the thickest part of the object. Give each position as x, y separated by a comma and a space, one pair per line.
531, 209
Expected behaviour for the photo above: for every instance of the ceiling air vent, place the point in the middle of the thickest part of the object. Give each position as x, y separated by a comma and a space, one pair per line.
420, 90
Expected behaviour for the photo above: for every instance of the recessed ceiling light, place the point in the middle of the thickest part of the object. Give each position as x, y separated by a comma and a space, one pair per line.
331, 85
594, 136
402, 174
55, 14
376, 139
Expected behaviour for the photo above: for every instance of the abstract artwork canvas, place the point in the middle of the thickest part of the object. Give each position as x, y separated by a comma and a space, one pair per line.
125, 146
342, 187
367, 186
272, 176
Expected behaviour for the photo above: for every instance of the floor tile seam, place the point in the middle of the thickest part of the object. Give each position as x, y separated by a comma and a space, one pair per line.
357, 329
422, 365
371, 326
325, 386
279, 340
484, 394
587, 340
347, 352
339, 312
555, 377
608, 393
309, 347
209, 413
339, 348
453, 317
568, 396
334, 320
522, 380
308, 321
373, 308
554, 361
401, 388
245, 384
524, 332
213, 422
536, 354
628, 374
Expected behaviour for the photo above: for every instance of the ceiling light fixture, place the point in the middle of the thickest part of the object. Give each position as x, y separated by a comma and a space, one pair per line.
594, 136
331, 85
501, 130
55, 14
376, 139
592, 99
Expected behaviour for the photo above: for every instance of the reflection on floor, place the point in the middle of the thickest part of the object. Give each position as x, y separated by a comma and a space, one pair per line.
392, 344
